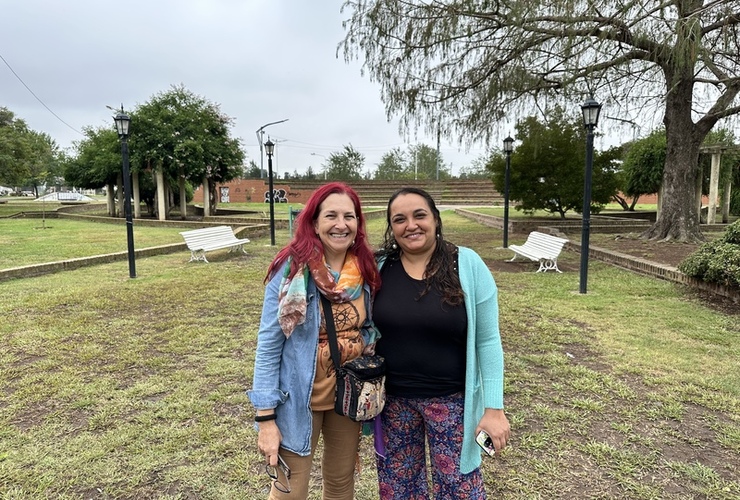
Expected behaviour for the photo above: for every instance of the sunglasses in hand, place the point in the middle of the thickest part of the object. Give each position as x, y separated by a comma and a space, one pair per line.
274, 474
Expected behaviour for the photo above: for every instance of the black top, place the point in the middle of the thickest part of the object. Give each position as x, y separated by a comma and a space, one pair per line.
422, 339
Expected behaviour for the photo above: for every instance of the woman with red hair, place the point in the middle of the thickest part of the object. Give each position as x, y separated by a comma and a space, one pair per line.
294, 381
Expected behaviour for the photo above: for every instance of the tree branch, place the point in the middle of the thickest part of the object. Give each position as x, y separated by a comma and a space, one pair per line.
729, 20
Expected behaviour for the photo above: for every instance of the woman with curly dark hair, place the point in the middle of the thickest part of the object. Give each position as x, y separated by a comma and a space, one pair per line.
437, 312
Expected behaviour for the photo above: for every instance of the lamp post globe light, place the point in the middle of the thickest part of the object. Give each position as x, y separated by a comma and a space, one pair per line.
270, 149
591, 110
508, 148
122, 126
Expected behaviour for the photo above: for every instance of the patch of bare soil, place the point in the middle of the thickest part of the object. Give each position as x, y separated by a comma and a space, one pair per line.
653, 429
647, 439
668, 253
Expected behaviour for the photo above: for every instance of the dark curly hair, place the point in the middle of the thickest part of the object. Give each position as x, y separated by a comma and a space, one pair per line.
441, 272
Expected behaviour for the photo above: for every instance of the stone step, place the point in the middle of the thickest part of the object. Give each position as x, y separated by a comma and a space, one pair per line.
449, 192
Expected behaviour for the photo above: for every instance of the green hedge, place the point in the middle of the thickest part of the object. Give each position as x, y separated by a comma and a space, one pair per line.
718, 261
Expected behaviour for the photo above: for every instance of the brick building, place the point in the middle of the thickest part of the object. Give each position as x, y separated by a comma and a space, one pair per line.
255, 191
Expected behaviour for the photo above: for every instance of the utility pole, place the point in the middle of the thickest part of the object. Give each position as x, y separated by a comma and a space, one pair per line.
438, 152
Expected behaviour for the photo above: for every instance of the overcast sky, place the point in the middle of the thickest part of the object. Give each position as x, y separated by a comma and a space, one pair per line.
260, 60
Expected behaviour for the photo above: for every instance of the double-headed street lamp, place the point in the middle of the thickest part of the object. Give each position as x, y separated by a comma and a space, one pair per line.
270, 149
122, 124
260, 136
508, 148
324, 157
635, 126
591, 110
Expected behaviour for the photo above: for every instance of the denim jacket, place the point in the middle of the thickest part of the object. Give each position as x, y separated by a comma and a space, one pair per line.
284, 369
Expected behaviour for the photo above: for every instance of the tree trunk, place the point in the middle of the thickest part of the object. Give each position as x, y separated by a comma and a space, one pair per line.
183, 198
110, 200
170, 200
161, 205
119, 183
137, 195
206, 197
622, 202
213, 195
677, 218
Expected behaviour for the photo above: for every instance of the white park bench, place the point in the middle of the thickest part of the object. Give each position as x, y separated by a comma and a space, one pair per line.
542, 248
200, 241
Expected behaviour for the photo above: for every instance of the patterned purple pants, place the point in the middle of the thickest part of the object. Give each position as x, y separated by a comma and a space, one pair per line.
402, 473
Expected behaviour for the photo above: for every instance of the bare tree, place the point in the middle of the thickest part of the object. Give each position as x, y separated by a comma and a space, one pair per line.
459, 66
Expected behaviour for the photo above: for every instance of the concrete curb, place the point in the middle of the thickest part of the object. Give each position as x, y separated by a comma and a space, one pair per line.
654, 269
69, 264
624, 261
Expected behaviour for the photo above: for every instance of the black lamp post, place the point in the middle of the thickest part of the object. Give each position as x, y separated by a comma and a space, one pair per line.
591, 110
508, 148
270, 149
122, 123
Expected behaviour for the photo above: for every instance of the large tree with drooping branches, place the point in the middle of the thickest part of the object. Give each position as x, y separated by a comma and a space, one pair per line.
462, 66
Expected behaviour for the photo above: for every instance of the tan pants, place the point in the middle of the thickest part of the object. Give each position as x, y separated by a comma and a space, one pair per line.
341, 444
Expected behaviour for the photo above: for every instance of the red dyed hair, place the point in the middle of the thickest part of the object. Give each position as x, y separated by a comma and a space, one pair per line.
305, 240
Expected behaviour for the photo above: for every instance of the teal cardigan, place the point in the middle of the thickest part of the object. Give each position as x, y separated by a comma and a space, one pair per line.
484, 364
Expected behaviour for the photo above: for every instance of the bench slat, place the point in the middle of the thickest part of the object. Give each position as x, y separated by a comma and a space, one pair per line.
206, 239
541, 247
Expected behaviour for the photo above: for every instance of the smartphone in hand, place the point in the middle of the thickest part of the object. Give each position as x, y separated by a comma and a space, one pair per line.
484, 441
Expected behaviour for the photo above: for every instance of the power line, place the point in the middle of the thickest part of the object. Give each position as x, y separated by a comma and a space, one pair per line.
309, 145
37, 97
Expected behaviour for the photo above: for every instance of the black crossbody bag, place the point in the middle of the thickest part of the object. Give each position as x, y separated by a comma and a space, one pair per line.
360, 382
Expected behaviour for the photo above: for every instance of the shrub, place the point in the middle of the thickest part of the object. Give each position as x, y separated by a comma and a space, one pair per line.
732, 234
718, 261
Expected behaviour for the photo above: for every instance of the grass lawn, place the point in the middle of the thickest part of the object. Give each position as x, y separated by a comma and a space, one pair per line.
16, 205
134, 388
35, 241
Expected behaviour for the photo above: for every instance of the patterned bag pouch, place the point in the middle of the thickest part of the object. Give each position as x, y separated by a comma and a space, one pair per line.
361, 388
360, 382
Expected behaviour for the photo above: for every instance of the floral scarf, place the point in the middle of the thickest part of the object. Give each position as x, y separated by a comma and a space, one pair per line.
337, 287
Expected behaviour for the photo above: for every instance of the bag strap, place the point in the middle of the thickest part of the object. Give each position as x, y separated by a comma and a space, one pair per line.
331, 331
